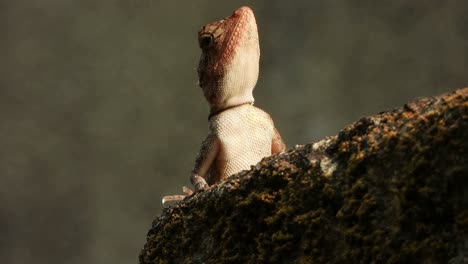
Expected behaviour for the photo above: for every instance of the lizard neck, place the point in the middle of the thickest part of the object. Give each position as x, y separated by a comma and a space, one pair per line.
215, 112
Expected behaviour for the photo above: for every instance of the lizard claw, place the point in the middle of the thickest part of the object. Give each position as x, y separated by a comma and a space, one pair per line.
199, 183
187, 190
201, 187
172, 198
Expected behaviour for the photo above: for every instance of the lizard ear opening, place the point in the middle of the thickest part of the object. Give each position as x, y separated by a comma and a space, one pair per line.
206, 41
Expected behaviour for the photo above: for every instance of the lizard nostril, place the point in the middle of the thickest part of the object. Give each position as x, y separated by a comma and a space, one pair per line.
205, 41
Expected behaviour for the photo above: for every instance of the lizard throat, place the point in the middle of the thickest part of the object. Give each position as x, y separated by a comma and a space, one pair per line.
217, 112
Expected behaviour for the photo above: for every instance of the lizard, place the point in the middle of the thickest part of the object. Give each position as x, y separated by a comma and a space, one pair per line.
240, 134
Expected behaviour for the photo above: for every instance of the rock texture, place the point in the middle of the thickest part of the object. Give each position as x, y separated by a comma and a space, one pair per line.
391, 188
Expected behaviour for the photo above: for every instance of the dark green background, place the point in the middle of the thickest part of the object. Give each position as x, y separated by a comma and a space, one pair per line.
101, 114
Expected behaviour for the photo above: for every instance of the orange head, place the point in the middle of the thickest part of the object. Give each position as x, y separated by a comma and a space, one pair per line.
228, 67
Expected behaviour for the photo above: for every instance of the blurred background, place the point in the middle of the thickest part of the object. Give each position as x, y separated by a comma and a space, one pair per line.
101, 114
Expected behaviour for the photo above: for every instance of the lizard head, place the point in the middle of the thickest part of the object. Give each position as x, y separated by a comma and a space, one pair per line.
228, 67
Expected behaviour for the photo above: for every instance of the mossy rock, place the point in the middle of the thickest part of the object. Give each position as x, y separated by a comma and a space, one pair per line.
391, 188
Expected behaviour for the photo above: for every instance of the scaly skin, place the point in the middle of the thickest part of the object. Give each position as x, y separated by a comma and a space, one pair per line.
240, 134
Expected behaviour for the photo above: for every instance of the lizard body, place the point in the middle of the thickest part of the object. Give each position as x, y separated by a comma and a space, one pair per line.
240, 134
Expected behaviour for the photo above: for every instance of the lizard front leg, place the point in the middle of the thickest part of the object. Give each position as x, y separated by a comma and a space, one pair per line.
277, 143
203, 163
208, 152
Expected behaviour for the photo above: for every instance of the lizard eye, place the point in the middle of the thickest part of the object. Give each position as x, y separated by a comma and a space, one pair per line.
205, 41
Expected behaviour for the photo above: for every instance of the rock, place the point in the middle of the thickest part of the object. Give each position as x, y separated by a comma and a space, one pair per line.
391, 188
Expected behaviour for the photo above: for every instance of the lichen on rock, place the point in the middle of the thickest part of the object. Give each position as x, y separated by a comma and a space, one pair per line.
391, 188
